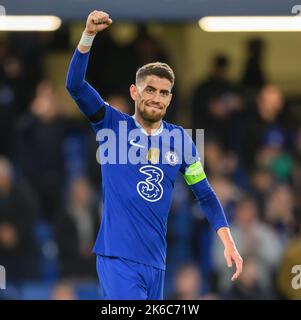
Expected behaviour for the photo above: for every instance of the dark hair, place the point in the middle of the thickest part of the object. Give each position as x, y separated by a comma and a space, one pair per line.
221, 61
159, 69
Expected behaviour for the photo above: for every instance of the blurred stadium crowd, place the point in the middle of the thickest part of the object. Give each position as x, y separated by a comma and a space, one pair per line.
50, 188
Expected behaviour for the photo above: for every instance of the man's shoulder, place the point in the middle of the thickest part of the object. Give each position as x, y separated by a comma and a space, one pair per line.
118, 113
170, 126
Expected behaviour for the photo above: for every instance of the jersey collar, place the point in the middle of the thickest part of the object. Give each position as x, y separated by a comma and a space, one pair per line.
155, 133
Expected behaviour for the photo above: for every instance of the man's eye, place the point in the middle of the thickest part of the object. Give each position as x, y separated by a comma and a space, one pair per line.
165, 93
149, 90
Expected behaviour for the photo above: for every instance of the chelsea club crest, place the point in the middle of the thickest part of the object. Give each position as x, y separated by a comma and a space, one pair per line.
171, 157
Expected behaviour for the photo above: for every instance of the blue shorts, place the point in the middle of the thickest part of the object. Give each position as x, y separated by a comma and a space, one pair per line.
122, 279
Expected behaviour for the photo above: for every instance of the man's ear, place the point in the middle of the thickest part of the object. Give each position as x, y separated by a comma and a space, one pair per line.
133, 92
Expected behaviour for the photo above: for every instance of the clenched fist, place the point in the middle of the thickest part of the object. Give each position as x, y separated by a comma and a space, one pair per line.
97, 21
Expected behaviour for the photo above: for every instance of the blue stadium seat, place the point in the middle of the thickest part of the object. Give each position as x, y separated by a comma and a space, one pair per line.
35, 291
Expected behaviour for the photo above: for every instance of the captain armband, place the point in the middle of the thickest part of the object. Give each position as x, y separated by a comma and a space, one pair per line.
194, 173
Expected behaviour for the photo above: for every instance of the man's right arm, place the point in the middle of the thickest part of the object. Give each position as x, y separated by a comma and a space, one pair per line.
87, 98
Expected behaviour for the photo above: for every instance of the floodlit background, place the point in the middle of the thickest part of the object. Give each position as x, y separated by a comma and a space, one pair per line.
242, 87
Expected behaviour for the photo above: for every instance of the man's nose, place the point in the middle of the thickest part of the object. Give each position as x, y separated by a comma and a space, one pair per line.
156, 97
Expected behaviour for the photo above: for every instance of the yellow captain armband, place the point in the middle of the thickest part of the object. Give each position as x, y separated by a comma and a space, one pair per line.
194, 173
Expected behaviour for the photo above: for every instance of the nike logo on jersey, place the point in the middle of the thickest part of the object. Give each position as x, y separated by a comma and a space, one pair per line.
133, 143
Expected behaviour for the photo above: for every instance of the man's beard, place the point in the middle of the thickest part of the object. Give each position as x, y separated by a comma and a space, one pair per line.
148, 115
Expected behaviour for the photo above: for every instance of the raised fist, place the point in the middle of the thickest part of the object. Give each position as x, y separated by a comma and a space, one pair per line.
97, 21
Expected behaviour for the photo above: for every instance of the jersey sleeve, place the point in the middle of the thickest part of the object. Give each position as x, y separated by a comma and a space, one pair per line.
191, 167
111, 119
195, 177
100, 114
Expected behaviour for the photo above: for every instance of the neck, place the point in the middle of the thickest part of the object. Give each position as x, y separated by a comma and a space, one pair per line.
149, 126
267, 115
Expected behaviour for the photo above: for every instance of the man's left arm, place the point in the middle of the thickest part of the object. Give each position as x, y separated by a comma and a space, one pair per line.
196, 179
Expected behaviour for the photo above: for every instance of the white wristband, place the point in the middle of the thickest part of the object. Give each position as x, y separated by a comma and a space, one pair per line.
86, 40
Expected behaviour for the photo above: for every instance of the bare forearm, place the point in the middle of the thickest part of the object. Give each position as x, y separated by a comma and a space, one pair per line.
226, 237
231, 254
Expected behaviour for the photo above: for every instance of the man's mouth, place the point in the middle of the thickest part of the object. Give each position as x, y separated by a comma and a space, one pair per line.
155, 106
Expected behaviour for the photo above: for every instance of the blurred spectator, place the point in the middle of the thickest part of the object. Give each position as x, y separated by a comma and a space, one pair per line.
187, 283
63, 291
8, 98
270, 103
216, 105
253, 76
120, 102
296, 153
248, 287
220, 163
77, 226
267, 113
109, 78
30, 52
20, 69
253, 238
147, 49
212, 157
262, 182
279, 212
18, 212
40, 145
271, 155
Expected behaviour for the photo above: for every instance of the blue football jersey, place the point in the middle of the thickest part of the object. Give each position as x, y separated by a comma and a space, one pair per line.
137, 196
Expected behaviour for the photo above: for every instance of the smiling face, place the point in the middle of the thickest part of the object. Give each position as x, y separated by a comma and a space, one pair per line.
152, 96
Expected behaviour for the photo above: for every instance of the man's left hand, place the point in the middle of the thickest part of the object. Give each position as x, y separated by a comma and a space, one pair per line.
231, 255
